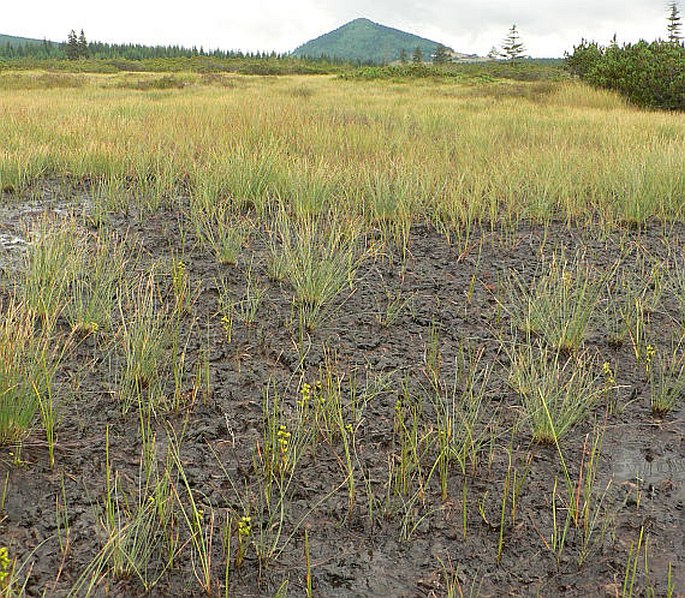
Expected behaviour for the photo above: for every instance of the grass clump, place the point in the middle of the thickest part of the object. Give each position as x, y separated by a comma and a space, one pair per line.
26, 370
318, 259
137, 521
99, 273
50, 267
665, 372
144, 340
559, 304
220, 230
465, 417
556, 391
246, 306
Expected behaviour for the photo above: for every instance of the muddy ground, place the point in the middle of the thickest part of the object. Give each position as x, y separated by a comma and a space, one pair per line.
387, 543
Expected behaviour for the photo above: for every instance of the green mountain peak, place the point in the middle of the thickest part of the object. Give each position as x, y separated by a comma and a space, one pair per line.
362, 40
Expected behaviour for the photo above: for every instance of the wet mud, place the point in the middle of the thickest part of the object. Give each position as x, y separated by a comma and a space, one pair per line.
501, 528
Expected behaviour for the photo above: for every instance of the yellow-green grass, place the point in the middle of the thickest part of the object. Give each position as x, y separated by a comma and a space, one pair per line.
449, 152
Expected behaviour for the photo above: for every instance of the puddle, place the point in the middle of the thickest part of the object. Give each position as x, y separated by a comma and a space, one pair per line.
633, 465
8, 241
16, 218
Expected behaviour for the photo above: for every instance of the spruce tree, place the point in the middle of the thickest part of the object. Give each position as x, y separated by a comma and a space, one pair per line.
441, 54
674, 23
494, 53
513, 49
417, 56
71, 48
82, 45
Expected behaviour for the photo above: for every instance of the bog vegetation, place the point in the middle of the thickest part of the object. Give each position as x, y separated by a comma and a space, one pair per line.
180, 227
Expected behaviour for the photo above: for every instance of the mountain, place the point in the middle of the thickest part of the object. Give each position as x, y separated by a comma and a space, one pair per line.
363, 40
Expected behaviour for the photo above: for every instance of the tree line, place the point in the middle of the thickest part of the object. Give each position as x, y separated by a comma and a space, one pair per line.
77, 47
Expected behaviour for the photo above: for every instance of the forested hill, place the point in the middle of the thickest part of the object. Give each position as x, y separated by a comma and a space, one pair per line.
16, 41
12, 46
364, 41
24, 47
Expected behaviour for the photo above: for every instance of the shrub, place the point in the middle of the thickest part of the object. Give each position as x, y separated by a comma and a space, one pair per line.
651, 75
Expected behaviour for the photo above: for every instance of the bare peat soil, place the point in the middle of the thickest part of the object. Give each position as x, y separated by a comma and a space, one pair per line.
391, 343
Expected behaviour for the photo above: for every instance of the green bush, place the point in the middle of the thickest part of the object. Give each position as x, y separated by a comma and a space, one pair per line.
651, 75
585, 56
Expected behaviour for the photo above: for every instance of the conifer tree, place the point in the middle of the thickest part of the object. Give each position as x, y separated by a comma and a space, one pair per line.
441, 54
71, 48
82, 45
512, 48
417, 56
674, 23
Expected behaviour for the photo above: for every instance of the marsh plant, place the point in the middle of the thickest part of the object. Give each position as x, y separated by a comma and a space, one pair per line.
144, 338
408, 472
247, 306
676, 284
283, 443
387, 208
244, 308
465, 418
283, 440
99, 273
319, 258
665, 370
140, 539
557, 390
109, 196
28, 361
52, 262
580, 511
198, 518
392, 307
632, 300
71, 273
559, 304
180, 286
222, 230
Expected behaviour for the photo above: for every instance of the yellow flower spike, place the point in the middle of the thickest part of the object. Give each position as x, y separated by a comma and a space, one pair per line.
305, 395
283, 437
244, 527
649, 355
608, 374
5, 563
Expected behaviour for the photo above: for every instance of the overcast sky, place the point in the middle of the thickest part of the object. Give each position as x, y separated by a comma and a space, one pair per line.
547, 27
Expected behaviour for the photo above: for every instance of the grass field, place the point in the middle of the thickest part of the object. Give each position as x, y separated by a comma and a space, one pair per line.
453, 153
318, 336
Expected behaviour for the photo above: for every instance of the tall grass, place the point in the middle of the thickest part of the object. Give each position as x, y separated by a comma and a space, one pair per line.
145, 338
464, 153
27, 365
51, 266
559, 304
556, 392
319, 258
